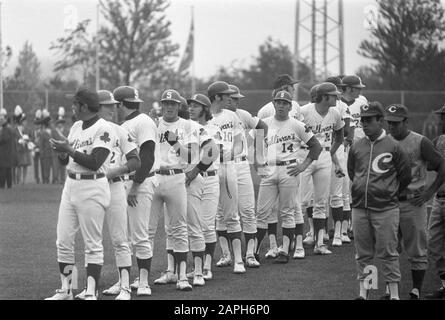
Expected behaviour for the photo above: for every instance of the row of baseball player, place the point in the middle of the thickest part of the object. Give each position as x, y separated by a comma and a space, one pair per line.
197, 174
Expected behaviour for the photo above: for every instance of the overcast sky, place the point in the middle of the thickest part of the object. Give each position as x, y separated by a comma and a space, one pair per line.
226, 31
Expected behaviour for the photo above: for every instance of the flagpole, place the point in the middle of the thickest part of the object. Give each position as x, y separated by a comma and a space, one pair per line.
193, 55
97, 49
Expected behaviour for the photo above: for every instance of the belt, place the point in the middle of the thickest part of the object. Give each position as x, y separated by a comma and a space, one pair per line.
127, 177
209, 173
440, 195
285, 163
236, 160
324, 148
86, 176
169, 172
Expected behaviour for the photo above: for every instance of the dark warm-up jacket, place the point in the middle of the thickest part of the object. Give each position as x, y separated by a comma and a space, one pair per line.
379, 171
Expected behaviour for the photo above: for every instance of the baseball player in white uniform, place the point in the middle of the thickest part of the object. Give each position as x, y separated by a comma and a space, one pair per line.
141, 184
228, 224
246, 196
116, 214
327, 125
282, 82
86, 193
286, 160
199, 108
177, 143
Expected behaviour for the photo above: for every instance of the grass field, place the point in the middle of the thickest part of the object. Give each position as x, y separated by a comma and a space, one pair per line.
29, 270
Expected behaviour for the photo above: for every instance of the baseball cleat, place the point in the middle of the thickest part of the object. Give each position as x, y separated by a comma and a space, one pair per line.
272, 253
414, 295
436, 295
251, 262
336, 242
184, 285
166, 278
144, 291
281, 258
225, 261
81, 296
115, 289
309, 240
190, 275
62, 294
345, 238
125, 294
299, 253
135, 284
198, 280
90, 297
322, 250
239, 268
207, 274
386, 296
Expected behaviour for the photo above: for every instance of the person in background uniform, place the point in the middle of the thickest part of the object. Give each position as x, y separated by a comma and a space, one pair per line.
6, 146
379, 170
436, 225
58, 133
35, 138
46, 152
22, 141
412, 201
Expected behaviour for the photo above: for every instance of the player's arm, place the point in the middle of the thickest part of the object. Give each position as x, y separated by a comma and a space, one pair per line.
346, 128
133, 163
403, 167
261, 130
314, 152
435, 163
210, 152
350, 164
183, 151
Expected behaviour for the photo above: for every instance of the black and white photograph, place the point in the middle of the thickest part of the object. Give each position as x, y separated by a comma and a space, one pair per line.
222, 155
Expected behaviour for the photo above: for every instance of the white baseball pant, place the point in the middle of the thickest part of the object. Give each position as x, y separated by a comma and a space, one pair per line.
227, 217
246, 197
209, 206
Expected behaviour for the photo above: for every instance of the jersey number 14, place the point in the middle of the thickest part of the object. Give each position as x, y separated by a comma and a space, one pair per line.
289, 148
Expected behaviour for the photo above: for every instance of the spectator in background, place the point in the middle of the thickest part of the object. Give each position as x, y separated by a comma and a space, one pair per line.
58, 132
46, 153
22, 140
35, 138
6, 149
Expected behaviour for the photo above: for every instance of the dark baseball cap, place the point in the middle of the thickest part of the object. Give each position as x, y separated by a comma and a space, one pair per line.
126, 93
283, 95
106, 97
441, 110
284, 80
171, 95
219, 87
237, 93
86, 96
335, 80
313, 92
327, 88
353, 81
184, 101
372, 109
396, 113
201, 99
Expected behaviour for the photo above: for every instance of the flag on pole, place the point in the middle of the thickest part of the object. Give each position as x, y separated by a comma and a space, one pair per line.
187, 58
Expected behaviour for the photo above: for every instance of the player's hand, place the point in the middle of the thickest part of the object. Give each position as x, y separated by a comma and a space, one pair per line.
296, 169
339, 172
421, 198
112, 172
132, 195
170, 137
191, 175
263, 170
61, 145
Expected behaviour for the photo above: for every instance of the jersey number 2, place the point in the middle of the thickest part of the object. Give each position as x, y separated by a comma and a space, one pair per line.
112, 160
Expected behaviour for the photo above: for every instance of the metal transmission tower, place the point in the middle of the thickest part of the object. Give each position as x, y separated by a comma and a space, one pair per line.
319, 37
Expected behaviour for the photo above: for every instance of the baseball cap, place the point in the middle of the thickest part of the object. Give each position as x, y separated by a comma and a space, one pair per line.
283, 95
219, 87
183, 101
313, 92
237, 93
335, 80
396, 113
353, 81
441, 110
106, 97
86, 96
126, 93
327, 88
171, 95
284, 80
372, 109
201, 99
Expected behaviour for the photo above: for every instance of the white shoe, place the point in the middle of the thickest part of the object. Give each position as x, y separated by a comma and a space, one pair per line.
299, 253
190, 275
225, 261
81, 296
272, 253
198, 280
239, 268
62, 294
337, 242
251, 262
322, 250
135, 284
90, 297
309, 240
114, 290
144, 291
207, 274
345, 238
184, 285
166, 278
125, 294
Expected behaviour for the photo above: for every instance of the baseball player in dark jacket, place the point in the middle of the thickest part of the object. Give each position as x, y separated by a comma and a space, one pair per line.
379, 170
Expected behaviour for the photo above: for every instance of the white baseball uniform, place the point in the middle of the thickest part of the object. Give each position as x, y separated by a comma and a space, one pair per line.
354, 109
142, 129
268, 110
84, 200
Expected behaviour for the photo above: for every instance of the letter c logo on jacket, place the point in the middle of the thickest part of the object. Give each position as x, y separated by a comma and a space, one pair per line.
385, 157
